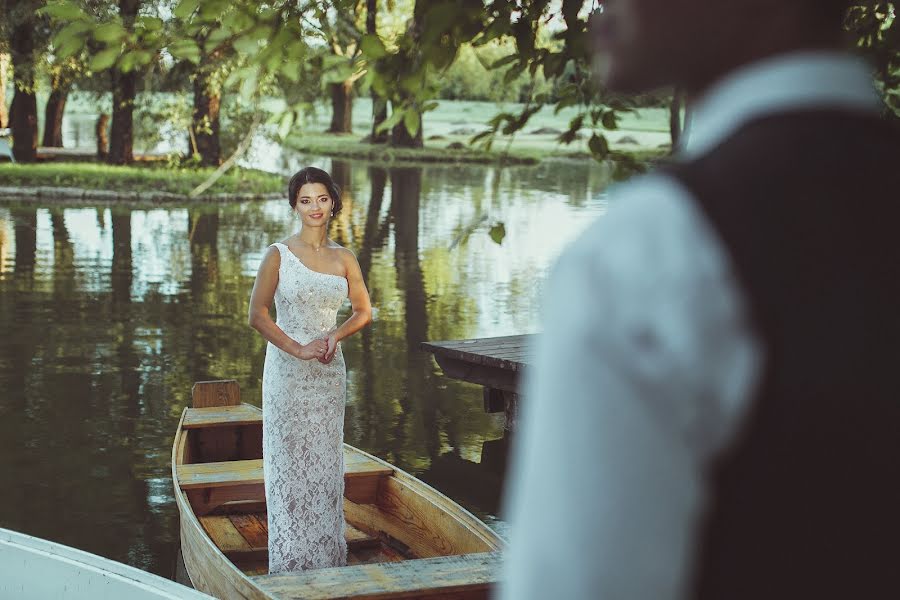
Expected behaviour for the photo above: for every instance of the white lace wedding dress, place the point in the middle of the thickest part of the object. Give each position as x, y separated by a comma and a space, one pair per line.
303, 418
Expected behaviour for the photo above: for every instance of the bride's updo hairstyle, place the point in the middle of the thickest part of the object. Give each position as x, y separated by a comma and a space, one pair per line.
314, 175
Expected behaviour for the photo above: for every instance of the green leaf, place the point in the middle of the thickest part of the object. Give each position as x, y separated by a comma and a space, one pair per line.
430, 105
392, 120
211, 9
248, 86
372, 46
514, 72
413, 82
287, 121
127, 62
412, 120
331, 61
75, 30
69, 47
565, 103
185, 49
337, 74
150, 23
63, 11
246, 45
105, 59
609, 120
291, 70
598, 146
185, 8
110, 33
215, 38
498, 232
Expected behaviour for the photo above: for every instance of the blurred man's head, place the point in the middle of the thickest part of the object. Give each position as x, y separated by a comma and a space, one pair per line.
644, 44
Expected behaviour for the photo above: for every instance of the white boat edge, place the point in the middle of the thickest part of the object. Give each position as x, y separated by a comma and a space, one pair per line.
38, 569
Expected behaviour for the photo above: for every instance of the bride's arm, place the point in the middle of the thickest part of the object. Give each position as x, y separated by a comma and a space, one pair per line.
359, 300
259, 319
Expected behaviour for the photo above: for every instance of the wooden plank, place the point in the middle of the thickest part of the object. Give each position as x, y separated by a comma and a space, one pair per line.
220, 474
218, 416
226, 485
494, 377
357, 538
357, 464
224, 392
511, 353
252, 528
467, 576
416, 519
224, 534
244, 472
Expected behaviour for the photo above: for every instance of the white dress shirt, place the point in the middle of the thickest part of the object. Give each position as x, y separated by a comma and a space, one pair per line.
645, 367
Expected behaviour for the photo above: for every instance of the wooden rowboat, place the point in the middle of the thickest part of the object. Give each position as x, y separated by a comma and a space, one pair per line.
405, 539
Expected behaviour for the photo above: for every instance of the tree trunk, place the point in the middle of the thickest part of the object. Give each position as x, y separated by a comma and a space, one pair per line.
341, 107
675, 125
205, 123
102, 136
23, 123
379, 104
121, 146
4, 70
121, 135
53, 117
401, 138
23, 111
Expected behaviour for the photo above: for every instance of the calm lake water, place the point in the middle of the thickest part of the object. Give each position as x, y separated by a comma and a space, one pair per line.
108, 315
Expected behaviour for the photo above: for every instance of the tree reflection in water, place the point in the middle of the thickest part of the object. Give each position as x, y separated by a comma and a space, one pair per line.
109, 315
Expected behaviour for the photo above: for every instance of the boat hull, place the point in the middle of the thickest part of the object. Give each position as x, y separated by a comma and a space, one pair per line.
35, 569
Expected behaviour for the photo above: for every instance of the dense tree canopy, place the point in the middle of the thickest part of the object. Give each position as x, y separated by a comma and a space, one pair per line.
409, 54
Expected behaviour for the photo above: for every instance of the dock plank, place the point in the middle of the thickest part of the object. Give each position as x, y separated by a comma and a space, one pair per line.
509, 353
461, 576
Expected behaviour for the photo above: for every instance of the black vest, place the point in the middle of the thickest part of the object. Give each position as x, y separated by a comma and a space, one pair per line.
806, 502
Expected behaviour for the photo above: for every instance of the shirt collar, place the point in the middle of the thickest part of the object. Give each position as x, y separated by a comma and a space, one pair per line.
786, 82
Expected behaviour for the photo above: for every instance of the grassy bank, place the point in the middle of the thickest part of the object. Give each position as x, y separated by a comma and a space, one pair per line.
439, 150
640, 137
141, 177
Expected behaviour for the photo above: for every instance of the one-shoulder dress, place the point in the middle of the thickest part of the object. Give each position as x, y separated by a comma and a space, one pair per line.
303, 418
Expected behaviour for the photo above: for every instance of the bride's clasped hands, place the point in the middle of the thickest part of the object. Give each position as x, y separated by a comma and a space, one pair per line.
321, 350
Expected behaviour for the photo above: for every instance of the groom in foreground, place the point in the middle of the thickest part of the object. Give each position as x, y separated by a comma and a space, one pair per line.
714, 410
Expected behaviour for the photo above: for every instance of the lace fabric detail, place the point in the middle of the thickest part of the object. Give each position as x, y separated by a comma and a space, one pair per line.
303, 418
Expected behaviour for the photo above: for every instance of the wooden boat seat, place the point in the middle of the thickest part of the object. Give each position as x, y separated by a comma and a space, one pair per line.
445, 576
242, 480
221, 416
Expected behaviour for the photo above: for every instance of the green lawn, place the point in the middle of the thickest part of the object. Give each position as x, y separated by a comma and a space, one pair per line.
457, 121
141, 177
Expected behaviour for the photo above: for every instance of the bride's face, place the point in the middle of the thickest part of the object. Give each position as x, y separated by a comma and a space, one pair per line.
314, 205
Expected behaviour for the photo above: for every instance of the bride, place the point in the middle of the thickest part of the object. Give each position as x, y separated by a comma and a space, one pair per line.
304, 378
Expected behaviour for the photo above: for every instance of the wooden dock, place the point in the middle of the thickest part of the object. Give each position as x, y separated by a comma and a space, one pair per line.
495, 363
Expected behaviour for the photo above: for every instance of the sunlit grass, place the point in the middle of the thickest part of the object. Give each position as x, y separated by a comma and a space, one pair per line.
141, 177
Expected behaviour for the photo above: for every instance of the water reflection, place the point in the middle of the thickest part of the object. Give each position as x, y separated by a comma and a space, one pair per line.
109, 315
